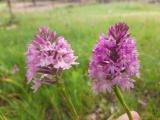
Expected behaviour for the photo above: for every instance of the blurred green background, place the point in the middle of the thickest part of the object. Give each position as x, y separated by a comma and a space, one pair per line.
80, 24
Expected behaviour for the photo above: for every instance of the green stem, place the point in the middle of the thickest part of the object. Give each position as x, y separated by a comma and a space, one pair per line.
122, 101
67, 98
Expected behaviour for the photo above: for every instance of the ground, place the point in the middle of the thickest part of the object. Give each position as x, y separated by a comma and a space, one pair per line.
81, 26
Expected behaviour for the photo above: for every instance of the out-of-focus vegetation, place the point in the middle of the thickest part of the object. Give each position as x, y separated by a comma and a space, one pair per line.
81, 26
101, 1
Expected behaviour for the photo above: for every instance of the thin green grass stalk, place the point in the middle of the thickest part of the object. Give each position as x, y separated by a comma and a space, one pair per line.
122, 101
67, 98
2, 117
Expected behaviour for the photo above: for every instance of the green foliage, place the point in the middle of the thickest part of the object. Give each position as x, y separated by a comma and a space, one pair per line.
81, 26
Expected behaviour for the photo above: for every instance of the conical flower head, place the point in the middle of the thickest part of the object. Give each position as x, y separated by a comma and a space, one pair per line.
114, 60
47, 56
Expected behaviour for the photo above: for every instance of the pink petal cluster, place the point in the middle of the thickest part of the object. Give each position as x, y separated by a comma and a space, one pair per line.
114, 60
47, 56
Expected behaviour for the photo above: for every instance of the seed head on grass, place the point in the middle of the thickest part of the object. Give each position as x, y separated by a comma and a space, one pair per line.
114, 60
47, 56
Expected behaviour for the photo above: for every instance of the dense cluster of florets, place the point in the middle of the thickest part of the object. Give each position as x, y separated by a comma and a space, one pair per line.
46, 58
114, 60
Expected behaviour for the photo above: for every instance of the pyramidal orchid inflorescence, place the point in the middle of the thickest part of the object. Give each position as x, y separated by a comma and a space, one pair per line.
47, 56
114, 60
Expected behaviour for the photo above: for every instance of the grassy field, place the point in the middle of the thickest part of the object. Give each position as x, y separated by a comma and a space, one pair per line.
81, 26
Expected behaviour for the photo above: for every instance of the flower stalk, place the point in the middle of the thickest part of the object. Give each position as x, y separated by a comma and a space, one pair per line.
67, 98
122, 101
